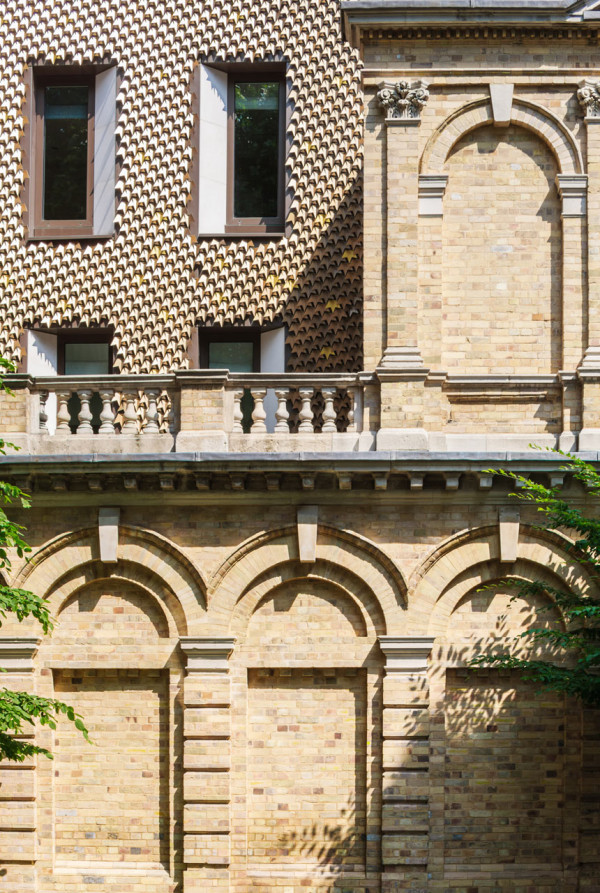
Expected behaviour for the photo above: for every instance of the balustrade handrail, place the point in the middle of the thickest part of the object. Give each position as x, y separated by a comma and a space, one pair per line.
294, 380
96, 382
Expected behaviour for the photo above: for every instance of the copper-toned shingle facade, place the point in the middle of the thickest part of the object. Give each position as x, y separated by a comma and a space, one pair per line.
153, 281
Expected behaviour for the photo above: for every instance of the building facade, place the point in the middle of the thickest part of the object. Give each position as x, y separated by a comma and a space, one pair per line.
283, 282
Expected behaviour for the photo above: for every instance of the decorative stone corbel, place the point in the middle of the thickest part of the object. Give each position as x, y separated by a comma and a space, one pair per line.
403, 101
588, 95
508, 532
406, 655
207, 653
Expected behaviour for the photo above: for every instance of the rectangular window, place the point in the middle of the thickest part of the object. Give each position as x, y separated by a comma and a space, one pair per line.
66, 188
239, 155
230, 348
256, 134
86, 358
64, 149
71, 152
255, 149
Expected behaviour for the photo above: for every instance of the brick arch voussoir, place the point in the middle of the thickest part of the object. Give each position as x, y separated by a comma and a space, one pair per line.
142, 549
472, 557
525, 113
340, 549
340, 579
153, 587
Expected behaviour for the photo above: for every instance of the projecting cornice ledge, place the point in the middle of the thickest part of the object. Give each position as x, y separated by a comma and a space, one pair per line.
360, 15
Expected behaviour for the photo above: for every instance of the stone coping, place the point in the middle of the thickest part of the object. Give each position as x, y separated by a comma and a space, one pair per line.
379, 458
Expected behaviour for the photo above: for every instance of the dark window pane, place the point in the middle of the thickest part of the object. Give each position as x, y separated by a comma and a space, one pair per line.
86, 359
65, 153
237, 356
256, 150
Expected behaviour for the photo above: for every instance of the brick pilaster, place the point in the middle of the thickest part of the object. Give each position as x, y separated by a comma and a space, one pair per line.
206, 764
405, 804
18, 813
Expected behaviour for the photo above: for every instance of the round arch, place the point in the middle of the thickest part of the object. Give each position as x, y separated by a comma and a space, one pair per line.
472, 557
346, 559
124, 573
74, 559
322, 572
479, 114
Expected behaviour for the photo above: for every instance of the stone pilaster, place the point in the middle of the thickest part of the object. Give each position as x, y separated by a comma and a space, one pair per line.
402, 368
589, 98
572, 189
206, 763
402, 104
18, 812
405, 788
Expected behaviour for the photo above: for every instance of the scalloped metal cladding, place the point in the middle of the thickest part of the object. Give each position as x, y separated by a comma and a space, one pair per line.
153, 281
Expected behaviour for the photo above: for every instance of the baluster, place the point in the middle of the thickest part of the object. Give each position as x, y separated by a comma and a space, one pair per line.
329, 414
107, 415
258, 413
85, 416
151, 426
281, 413
238, 415
169, 416
130, 425
352, 394
306, 414
43, 412
63, 416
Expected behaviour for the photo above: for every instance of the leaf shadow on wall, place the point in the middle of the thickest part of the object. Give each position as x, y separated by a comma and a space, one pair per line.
333, 847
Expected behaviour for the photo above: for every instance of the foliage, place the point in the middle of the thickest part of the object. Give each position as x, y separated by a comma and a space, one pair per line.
577, 645
17, 709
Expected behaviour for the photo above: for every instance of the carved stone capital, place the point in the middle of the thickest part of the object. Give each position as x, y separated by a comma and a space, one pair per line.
17, 653
406, 655
402, 101
588, 95
207, 653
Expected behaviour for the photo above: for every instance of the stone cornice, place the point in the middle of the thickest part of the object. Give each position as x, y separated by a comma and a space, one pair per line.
475, 19
194, 477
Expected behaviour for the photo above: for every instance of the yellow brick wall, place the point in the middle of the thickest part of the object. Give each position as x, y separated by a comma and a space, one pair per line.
505, 753
111, 798
302, 762
314, 815
501, 293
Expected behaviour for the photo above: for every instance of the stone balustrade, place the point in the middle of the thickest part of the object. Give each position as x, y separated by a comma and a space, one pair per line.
105, 406
218, 411
303, 404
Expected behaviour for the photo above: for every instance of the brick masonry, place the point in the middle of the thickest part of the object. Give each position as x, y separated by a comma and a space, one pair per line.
302, 756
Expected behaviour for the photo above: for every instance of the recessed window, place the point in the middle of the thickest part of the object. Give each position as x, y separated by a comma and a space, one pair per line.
71, 153
66, 114
241, 149
86, 358
230, 348
255, 148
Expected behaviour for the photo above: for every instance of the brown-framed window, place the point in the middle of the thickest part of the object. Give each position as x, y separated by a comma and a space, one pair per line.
84, 352
63, 160
233, 348
255, 152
